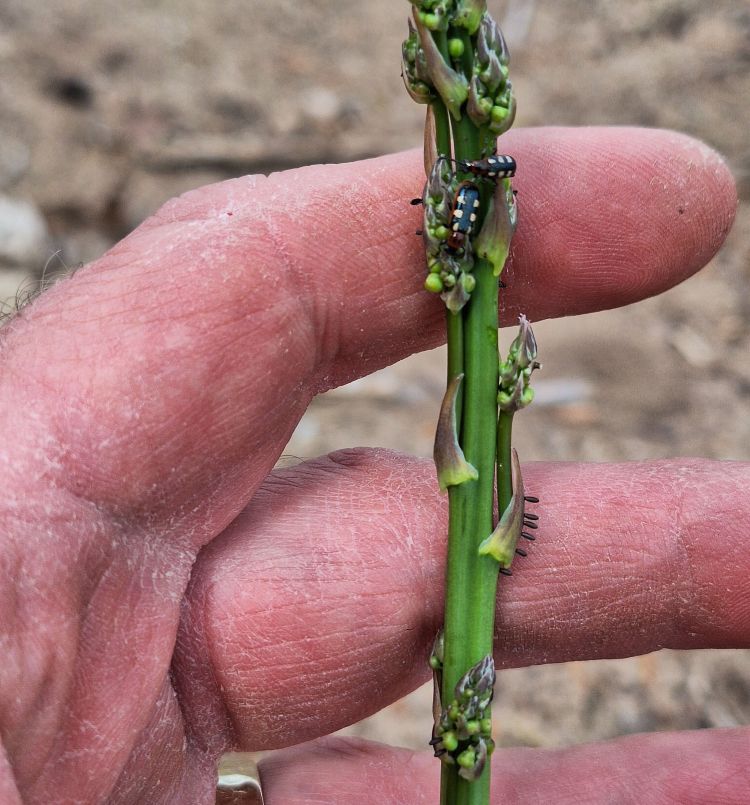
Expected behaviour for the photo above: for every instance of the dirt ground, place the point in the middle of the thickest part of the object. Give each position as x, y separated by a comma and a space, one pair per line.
108, 109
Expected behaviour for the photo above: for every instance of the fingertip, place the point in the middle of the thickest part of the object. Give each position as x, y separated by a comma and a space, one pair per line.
611, 215
715, 190
698, 182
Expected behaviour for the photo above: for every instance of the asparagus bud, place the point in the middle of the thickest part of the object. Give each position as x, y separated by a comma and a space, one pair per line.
469, 14
414, 69
491, 99
452, 86
515, 372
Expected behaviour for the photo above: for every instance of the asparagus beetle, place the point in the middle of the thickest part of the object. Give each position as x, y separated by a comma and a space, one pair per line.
499, 166
463, 215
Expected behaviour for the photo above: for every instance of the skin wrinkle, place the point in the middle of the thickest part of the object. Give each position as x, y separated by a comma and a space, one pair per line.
89, 692
104, 741
157, 755
298, 279
727, 496
680, 565
68, 591
210, 721
324, 321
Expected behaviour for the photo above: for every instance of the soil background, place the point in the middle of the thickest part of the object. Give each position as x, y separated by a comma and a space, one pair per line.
107, 109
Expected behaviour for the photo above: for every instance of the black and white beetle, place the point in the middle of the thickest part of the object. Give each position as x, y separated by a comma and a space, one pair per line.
466, 202
499, 166
463, 215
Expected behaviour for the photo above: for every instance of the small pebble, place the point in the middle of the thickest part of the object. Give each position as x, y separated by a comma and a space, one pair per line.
23, 233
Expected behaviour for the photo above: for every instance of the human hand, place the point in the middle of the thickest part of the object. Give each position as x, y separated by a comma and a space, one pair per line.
164, 598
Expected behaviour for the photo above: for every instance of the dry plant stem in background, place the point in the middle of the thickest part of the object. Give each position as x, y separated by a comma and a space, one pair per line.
455, 60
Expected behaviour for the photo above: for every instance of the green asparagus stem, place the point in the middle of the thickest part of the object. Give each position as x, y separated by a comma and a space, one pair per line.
455, 60
471, 579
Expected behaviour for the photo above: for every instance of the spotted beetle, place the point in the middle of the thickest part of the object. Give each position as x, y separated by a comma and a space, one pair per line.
463, 215
499, 166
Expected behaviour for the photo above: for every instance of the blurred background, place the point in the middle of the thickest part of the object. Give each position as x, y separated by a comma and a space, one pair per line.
107, 109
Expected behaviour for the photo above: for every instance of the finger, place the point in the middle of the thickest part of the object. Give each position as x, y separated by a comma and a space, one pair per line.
319, 605
688, 767
187, 354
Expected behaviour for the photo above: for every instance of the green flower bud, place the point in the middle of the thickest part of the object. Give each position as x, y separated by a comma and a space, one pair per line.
472, 727
433, 283
449, 740
500, 126
418, 91
479, 105
467, 759
451, 464
486, 726
503, 400
434, 13
469, 282
474, 772
456, 48
469, 14
508, 374
498, 114
485, 104
442, 232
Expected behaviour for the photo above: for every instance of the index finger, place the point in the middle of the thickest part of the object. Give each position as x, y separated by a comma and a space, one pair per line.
213, 324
